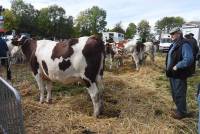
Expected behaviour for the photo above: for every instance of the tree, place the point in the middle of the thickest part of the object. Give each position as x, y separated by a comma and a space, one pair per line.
97, 17
48, 22
91, 21
118, 28
25, 14
66, 29
52, 23
10, 20
83, 24
167, 23
44, 23
144, 29
131, 30
56, 16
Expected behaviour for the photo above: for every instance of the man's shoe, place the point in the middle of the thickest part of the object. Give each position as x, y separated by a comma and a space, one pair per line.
177, 115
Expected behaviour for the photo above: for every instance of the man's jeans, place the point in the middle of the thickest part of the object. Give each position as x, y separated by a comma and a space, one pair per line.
179, 89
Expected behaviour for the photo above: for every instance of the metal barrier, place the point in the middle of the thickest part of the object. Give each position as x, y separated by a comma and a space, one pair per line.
11, 118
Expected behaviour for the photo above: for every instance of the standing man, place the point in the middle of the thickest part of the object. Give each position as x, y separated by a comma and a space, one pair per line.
178, 68
3, 54
3, 48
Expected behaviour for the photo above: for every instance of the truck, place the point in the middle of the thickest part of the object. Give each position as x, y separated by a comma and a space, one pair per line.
192, 28
117, 37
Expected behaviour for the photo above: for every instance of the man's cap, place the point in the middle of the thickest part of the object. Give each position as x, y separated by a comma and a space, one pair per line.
187, 35
191, 34
174, 30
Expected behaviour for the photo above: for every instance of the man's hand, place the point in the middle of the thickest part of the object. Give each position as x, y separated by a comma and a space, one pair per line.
174, 68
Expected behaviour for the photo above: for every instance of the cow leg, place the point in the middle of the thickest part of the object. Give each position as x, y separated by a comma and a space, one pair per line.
100, 86
100, 83
136, 59
121, 61
49, 88
142, 57
152, 56
41, 86
96, 98
111, 61
117, 63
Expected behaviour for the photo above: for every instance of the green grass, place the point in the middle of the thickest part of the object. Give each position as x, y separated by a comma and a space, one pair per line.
72, 89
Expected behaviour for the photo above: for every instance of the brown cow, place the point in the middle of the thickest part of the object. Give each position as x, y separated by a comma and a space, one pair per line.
66, 62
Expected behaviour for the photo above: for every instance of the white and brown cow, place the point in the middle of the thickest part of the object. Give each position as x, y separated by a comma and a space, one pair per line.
67, 62
140, 51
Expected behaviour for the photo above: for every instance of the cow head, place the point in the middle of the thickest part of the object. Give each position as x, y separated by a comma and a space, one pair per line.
19, 40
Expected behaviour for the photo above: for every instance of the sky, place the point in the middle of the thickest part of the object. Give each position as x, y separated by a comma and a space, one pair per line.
126, 11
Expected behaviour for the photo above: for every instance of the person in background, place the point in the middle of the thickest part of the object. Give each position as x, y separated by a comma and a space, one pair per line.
3, 47
3, 54
195, 48
178, 68
194, 42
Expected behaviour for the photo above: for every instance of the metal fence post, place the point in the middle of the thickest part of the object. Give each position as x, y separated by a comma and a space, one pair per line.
11, 118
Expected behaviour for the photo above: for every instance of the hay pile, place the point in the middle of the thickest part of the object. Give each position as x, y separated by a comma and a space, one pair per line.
134, 102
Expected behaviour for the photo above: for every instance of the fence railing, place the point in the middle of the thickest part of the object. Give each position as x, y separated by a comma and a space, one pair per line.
11, 118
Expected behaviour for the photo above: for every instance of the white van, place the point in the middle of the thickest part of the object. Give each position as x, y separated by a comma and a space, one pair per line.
165, 42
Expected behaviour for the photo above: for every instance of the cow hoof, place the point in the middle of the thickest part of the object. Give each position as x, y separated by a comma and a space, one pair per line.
49, 101
99, 112
95, 115
41, 102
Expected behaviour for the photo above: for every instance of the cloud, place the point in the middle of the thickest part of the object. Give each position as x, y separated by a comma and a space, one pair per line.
126, 11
